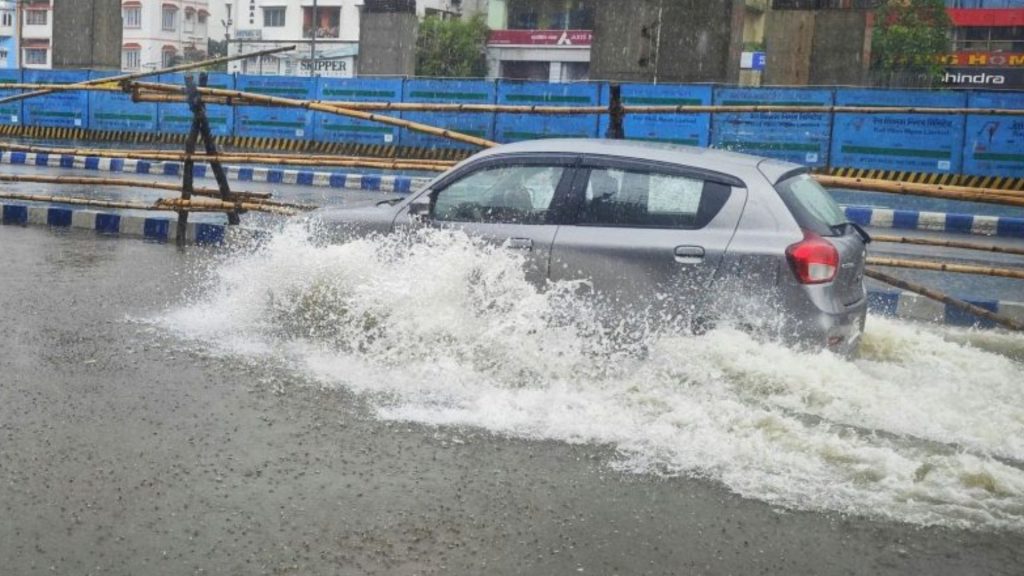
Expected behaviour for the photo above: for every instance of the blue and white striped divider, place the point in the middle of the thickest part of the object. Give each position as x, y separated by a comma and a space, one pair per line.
936, 221
910, 306
160, 229
344, 180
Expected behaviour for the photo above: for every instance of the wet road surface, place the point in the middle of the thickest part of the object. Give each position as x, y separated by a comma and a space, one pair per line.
126, 451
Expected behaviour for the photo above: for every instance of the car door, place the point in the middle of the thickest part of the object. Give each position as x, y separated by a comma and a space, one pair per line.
648, 236
513, 201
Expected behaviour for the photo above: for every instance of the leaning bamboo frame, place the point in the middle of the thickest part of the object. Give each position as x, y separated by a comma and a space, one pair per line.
962, 193
945, 299
255, 198
166, 204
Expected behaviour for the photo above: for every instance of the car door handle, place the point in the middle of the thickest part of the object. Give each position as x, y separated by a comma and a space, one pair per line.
520, 243
689, 254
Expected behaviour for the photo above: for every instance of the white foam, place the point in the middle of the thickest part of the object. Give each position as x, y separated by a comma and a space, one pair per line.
926, 426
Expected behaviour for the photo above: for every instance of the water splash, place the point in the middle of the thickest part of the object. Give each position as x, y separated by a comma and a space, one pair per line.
925, 426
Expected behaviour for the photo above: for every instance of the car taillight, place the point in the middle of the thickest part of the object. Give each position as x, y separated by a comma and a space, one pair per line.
814, 260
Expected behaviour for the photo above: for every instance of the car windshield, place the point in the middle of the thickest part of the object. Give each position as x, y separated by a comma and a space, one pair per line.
811, 204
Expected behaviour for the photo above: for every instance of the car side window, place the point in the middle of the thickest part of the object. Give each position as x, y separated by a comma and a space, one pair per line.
518, 194
634, 198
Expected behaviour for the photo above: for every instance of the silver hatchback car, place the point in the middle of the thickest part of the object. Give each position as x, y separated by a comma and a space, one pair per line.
686, 232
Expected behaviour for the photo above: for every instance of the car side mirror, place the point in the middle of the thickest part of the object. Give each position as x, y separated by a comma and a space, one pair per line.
419, 208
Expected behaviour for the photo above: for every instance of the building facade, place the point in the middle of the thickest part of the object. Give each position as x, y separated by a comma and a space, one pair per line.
8, 35
988, 44
252, 25
162, 33
546, 40
36, 20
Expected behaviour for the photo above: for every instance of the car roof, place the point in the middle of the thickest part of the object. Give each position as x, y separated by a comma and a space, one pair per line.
707, 158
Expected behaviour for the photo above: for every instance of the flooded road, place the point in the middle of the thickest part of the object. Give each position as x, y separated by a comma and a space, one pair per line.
381, 408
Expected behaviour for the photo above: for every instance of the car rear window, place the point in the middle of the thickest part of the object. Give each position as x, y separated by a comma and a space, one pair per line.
811, 205
644, 199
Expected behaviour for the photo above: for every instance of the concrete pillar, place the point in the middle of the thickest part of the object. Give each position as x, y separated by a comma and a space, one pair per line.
667, 40
387, 38
87, 34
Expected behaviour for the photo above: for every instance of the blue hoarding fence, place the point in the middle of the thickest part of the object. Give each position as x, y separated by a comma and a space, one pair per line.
994, 145
10, 112
514, 127
976, 148
689, 129
931, 143
476, 124
177, 118
58, 109
115, 111
264, 122
800, 137
335, 128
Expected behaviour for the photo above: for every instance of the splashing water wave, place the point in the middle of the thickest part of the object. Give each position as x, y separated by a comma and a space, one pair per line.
925, 426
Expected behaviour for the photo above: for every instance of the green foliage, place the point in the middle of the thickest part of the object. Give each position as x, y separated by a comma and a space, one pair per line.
452, 48
910, 36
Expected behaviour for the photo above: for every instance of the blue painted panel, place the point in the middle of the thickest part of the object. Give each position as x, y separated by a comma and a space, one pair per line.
514, 127
690, 129
115, 111
177, 119
905, 142
64, 109
263, 122
334, 128
10, 113
792, 136
994, 145
449, 92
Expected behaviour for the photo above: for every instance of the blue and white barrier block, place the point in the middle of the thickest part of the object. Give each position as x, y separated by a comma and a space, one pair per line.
936, 221
910, 306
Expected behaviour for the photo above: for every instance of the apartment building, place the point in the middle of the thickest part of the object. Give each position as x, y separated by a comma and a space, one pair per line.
326, 31
988, 44
8, 35
540, 39
162, 33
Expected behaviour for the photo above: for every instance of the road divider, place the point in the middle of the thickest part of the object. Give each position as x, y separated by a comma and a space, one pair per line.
976, 224
907, 305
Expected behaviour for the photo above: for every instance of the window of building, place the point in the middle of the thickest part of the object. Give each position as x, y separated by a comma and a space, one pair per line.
190, 20
169, 56
35, 56
132, 16
7, 18
327, 25
273, 17
170, 18
131, 59
35, 17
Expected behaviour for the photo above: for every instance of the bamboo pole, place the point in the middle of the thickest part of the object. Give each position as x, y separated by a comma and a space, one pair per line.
962, 193
1016, 273
164, 204
134, 75
229, 157
947, 244
321, 107
239, 157
680, 109
1000, 319
91, 181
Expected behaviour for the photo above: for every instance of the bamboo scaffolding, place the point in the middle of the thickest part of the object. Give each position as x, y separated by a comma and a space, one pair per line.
978, 311
320, 107
92, 181
135, 75
164, 204
962, 193
240, 158
1017, 273
947, 244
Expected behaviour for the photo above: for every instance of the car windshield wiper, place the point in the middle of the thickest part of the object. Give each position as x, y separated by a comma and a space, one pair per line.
391, 201
842, 226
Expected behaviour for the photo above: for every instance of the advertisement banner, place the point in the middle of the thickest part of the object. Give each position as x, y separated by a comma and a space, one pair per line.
259, 121
334, 128
515, 127
930, 143
800, 137
177, 118
688, 129
994, 145
60, 109
449, 92
10, 113
115, 111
